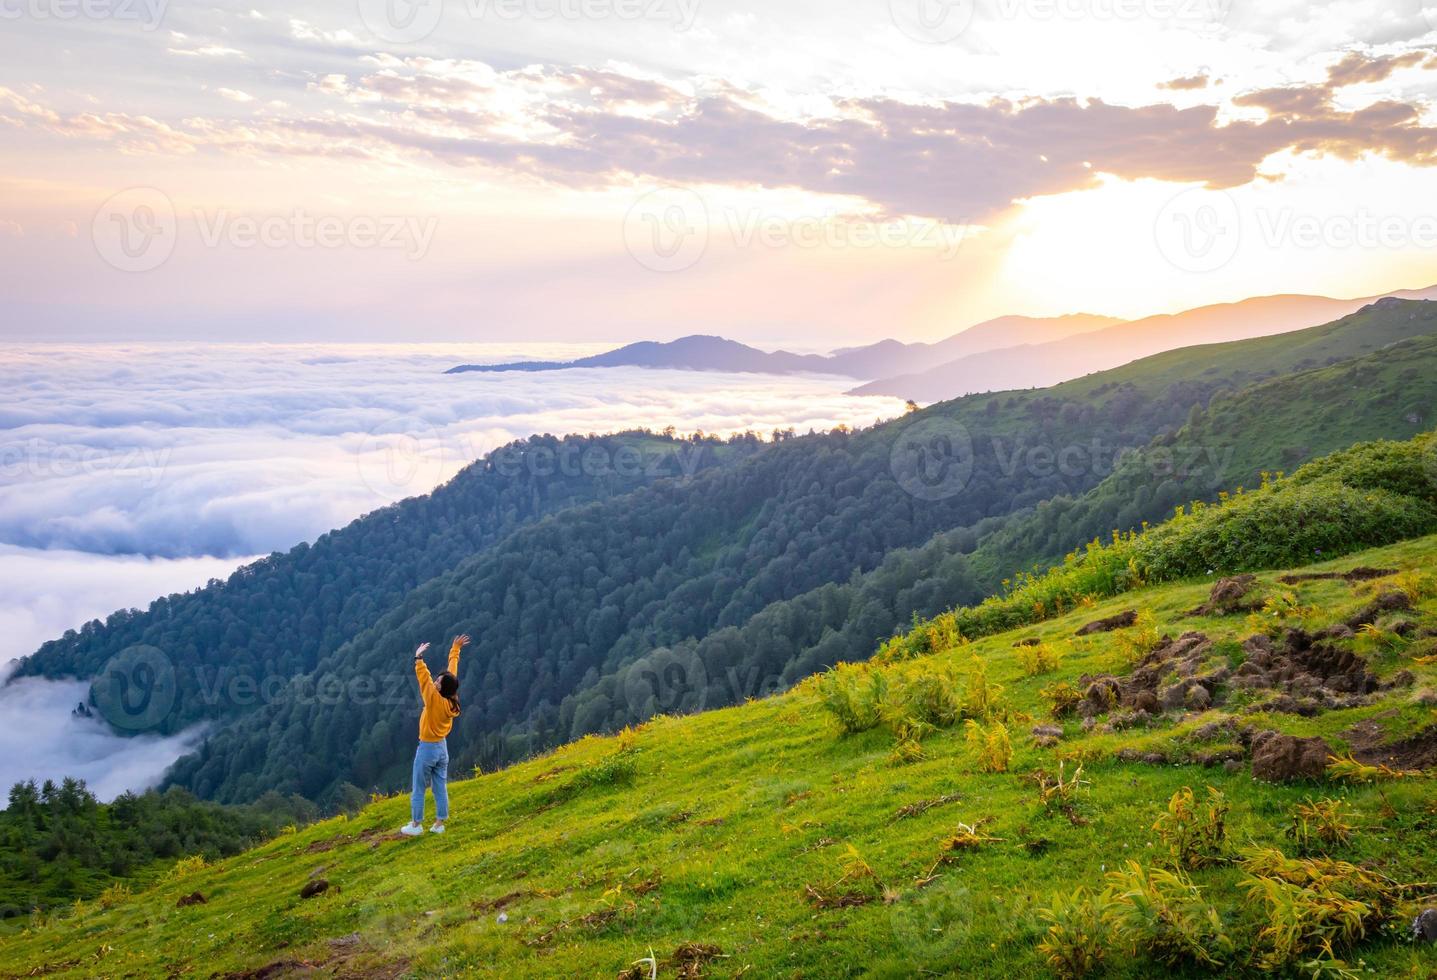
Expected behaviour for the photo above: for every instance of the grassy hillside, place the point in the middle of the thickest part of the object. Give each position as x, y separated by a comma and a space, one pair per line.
760, 841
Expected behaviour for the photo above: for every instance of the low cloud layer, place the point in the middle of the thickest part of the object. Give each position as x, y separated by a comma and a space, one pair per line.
42, 594
186, 451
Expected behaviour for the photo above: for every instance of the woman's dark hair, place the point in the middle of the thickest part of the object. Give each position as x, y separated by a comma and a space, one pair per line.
449, 689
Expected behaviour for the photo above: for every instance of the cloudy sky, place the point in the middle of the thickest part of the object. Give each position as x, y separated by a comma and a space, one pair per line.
786, 172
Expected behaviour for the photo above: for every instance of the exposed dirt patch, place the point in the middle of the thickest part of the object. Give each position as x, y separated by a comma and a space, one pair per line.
1174, 676
823, 898
1278, 758
502, 902
1369, 744
689, 959
1121, 621
1308, 672
1387, 601
923, 806
1230, 596
1359, 574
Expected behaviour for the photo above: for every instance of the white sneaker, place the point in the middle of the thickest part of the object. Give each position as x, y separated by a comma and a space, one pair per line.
438, 828
412, 829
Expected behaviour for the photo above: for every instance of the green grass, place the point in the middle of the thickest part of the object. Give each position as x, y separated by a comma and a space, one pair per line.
710, 829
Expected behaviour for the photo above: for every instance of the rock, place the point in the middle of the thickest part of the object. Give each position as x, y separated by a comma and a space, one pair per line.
316, 887
1424, 927
1147, 702
1028, 641
1278, 758
1101, 697
1227, 597
1121, 621
1047, 731
1403, 678
1231, 765
1198, 698
193, 898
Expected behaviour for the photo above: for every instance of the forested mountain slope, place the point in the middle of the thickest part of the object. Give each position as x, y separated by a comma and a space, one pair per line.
559, 606
280, 615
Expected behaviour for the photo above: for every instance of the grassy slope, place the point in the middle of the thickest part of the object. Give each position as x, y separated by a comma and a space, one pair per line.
728, 816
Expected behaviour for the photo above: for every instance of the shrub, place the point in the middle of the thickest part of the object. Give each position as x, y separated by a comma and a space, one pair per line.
1161, 913
1301, 920
1063, 698
617, 769
1319, 826
981, 700
1057, 793
116, 894
1196, 835
853, 694
995, 749
925, 692
1073, 944
185, 867
1038, 658
1139, 639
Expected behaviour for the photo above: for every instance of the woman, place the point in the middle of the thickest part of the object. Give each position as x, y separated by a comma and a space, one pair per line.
431, 761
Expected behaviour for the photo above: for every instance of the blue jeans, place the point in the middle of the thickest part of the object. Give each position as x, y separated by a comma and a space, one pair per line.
431, 767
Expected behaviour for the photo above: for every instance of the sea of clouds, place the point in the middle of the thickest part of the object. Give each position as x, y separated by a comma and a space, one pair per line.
132, 471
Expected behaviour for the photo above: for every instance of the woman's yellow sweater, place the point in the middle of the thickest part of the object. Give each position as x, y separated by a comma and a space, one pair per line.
438, 716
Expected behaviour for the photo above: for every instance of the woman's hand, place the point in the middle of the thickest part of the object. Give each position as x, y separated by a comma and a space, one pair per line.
420, 652
461, 640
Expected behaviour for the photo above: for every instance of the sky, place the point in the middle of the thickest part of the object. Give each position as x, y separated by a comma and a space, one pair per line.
788, 173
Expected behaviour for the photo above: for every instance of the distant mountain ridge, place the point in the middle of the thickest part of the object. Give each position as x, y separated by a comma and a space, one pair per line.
702, 352
1042, 365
